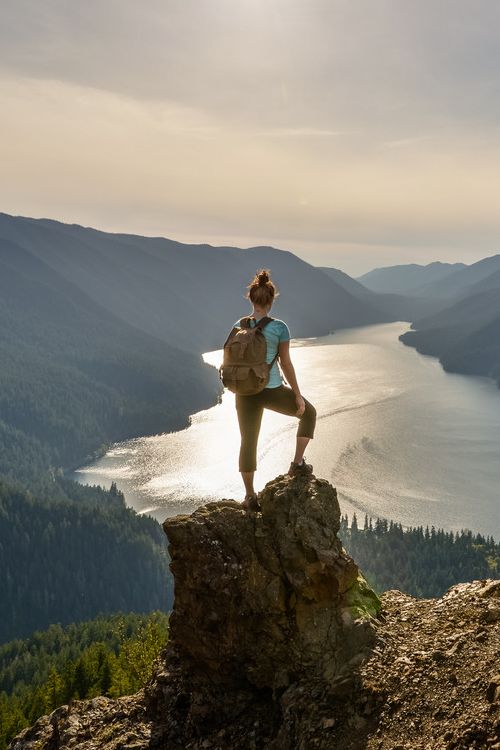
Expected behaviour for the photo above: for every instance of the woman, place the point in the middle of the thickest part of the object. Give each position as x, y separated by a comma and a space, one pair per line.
276, 396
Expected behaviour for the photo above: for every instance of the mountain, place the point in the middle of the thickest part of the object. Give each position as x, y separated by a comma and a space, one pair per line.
185, 295
478, 353
492, 281
347, 282
408, 278
394, 306
465, 281
465, 336
276, 642
75, 376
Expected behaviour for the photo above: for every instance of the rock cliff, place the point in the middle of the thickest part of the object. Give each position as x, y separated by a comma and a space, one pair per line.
266, 599
276, 642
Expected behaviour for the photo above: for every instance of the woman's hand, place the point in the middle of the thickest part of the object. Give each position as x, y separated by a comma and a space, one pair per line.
301, 406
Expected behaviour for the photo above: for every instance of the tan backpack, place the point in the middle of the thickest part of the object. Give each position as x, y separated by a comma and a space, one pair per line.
244, 369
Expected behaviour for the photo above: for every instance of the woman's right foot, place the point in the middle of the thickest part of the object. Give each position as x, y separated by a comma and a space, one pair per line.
300, 470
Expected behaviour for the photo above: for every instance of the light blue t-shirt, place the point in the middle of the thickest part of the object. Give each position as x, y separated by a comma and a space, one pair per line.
275, 332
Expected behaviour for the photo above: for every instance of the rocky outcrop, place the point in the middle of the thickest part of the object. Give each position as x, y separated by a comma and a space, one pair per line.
277, 643
267, 606
270, 598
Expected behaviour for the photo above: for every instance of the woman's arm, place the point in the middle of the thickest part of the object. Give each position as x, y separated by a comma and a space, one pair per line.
289, 373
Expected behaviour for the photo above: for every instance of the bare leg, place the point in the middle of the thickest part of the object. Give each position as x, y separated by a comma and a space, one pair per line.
300, 449
247, 477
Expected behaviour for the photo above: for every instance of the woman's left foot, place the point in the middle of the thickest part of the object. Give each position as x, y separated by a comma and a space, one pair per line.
251, 503
300, 470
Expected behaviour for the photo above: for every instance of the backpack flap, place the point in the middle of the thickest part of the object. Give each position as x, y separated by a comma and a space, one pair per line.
244, 379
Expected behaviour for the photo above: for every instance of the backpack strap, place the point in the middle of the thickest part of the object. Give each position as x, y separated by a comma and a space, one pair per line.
245, 322
263, 322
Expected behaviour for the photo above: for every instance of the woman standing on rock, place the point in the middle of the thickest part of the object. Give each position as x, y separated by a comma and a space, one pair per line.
275, 396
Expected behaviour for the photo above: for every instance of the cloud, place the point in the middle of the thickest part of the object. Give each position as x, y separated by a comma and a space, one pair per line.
299, 133
337, 123
282, 62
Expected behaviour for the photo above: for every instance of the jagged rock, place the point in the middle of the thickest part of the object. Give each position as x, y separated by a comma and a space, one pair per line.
95, 724
277, 643
269, 609
270, 598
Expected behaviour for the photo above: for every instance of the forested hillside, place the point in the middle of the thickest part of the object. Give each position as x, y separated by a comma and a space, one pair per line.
66, 559
421, 562
73, 376
107, 656
465, 336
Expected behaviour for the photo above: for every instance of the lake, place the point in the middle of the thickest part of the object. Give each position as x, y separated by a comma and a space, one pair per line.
396, 435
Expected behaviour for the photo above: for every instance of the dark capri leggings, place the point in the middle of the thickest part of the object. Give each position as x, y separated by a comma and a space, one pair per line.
250, 410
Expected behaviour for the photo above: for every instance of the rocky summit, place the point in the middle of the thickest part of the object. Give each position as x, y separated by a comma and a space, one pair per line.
277, 642
267, 599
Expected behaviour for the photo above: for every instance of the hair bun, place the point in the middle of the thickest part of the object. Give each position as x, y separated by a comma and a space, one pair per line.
261, 290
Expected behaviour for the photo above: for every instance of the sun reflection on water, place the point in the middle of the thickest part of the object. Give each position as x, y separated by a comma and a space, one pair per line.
396, 435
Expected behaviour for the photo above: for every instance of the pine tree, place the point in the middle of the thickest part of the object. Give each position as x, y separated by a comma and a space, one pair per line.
53, 690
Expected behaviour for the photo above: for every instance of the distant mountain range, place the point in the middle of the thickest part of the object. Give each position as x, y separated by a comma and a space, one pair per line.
465, 333
395, 306
436, 280
186, 295
480, 276
410, 278
455, 309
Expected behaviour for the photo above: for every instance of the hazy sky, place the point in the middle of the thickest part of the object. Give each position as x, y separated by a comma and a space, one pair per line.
355, 133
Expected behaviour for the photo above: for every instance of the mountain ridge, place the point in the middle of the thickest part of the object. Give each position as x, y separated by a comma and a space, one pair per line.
459, 282
399, 306
149, 282
55, 340
406, 277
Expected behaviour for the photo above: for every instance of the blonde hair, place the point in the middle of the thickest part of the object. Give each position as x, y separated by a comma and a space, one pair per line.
261, 290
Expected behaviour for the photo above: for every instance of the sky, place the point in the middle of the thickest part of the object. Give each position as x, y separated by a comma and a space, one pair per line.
355, 133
